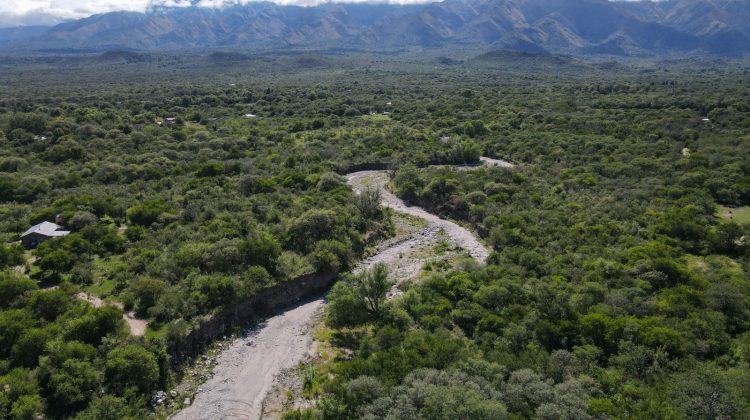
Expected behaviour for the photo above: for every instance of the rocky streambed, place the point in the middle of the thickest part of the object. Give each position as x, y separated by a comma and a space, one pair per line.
247, 370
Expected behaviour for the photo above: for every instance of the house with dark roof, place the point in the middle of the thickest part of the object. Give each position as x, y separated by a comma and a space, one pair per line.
37, 234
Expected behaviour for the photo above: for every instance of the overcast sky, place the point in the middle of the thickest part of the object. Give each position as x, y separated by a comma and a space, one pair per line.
46, 12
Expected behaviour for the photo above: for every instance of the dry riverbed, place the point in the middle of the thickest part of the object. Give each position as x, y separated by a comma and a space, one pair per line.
256, 375
458, 234
245, 371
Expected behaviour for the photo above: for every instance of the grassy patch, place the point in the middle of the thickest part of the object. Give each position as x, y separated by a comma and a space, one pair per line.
442, 247
33, 271
406, 224
715, 267
315, 376
739, 215
157, 333
101, 288
323, 333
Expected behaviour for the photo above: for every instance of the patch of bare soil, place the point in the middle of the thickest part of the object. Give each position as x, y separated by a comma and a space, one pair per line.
496, 162
21, 269
137, 326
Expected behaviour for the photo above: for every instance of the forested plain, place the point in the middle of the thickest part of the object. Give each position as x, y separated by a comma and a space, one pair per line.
617, 286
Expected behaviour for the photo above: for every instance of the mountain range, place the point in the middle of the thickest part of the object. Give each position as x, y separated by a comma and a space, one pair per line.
577, 27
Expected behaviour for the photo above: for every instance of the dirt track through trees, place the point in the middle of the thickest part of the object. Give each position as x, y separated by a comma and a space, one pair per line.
136, 326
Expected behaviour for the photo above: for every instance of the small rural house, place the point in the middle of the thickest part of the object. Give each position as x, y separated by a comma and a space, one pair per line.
40, 233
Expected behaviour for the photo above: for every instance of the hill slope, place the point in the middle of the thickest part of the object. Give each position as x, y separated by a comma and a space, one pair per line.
560, 26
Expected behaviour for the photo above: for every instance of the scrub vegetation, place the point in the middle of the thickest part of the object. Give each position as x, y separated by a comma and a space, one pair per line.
617, 287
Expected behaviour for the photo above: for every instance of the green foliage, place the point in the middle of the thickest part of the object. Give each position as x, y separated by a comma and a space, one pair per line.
290, 265
214, 290
20, 397
372, 286
331, 256
74, 385
147, 213
131, 368
309, 379
428, 393
30, 345
359, 298
261, 249
27, 407
466, 151
49, 304
330, 181
345, 307
708, 393
312, 226
408, 183
252, 280
96, 324
612, 290
135, 233
368, 202
110, 407
67, 149
147, 291
57, 261
13, 287
11, 255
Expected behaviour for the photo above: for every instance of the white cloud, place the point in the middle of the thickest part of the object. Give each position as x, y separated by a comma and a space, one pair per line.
225, 3
47, 12
24, 12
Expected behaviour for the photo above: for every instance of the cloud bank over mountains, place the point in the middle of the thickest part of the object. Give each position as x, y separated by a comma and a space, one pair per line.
50, 12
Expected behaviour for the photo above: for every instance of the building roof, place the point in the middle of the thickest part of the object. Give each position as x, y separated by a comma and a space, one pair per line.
46, 229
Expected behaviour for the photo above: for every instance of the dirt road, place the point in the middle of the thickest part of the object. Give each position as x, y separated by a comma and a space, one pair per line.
137, 326
246, 371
